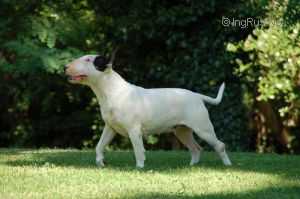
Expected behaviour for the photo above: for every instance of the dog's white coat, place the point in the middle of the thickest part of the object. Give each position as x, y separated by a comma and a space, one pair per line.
134, 111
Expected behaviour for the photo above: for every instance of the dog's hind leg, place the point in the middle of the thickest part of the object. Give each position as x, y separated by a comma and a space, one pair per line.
210, 137
218, 146
205, 130
185, 136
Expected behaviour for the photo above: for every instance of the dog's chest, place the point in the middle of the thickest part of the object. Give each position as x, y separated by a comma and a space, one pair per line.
113, 117
109, 115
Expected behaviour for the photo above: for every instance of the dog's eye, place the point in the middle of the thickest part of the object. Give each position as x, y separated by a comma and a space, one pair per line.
87, 59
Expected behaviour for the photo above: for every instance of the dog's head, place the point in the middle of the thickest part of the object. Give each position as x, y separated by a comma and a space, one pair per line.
87, 67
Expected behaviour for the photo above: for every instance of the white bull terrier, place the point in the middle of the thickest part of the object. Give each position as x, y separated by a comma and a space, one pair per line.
133, 111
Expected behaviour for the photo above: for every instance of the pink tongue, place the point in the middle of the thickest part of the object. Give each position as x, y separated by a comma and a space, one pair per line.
77, 78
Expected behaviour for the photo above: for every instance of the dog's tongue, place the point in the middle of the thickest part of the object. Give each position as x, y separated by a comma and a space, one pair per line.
77, 77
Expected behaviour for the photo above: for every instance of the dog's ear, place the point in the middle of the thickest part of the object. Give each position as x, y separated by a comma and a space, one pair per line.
100, 62
112, 58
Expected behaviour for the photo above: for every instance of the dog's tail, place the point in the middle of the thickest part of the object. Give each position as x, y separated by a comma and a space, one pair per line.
218, 99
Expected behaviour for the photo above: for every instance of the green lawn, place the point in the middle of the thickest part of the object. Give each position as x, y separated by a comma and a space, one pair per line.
28, 174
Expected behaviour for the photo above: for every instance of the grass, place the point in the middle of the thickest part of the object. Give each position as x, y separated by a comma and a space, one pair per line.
30, 174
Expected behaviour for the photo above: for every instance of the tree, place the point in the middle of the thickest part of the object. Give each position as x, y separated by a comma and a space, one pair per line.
268, 61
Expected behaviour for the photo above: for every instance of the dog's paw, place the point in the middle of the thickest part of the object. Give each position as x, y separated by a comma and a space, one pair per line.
100, 163
195, 158
193, 163
227, 163
139, 167
140, 164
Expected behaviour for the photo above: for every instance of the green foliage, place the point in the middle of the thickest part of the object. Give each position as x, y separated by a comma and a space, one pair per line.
273, 62
272, 66
39, 107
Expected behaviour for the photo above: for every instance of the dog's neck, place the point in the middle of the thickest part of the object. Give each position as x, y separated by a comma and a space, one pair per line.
109, 86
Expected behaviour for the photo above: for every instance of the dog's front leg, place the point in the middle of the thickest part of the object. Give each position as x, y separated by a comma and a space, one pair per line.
136, 139
106, 137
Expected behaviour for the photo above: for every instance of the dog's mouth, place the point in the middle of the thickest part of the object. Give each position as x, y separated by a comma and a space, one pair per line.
77, 77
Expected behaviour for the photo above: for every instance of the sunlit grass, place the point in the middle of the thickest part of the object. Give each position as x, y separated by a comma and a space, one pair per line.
73, 174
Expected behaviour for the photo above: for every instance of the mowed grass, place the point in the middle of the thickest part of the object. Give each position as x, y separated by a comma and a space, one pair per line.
29, 174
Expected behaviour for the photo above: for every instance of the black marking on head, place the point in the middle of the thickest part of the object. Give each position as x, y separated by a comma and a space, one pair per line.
100, 62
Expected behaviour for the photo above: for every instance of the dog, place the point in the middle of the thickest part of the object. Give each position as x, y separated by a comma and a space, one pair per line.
134, 111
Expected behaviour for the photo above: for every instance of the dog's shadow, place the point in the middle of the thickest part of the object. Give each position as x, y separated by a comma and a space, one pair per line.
161, 161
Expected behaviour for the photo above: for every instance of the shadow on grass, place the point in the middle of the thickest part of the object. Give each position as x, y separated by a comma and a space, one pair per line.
288, 192
162, 161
